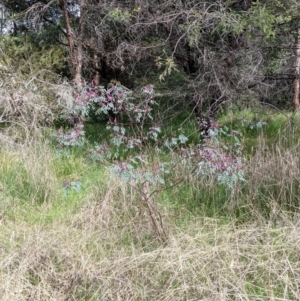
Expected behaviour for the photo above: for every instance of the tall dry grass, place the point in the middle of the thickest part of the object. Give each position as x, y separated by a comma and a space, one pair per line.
272, 181
28, 173
105, 247
107, 250
29, 101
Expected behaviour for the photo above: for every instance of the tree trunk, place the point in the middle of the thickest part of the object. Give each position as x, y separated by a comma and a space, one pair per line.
75, 47
297, 74
96, 76
95, 62
79, 50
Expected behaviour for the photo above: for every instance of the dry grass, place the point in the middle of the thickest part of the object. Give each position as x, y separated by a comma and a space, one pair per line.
107, 251
90, 261
28, 173
29, 101
273, 181
105, 248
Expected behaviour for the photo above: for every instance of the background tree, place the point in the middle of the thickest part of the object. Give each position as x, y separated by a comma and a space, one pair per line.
201, 55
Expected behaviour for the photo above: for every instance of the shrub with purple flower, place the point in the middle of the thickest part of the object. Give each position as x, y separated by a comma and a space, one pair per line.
128, 123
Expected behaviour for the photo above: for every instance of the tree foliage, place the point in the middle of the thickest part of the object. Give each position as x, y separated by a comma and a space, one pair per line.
224, 52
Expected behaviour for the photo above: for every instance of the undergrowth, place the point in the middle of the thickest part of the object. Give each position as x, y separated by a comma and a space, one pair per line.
71, 231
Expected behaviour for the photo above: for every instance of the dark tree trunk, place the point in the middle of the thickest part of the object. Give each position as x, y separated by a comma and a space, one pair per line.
75, 47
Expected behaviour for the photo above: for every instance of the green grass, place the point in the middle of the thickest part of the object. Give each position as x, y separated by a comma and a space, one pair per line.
99, 243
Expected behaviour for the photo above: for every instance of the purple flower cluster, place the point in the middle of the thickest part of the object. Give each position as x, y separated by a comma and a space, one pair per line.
72, 137
211, 157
